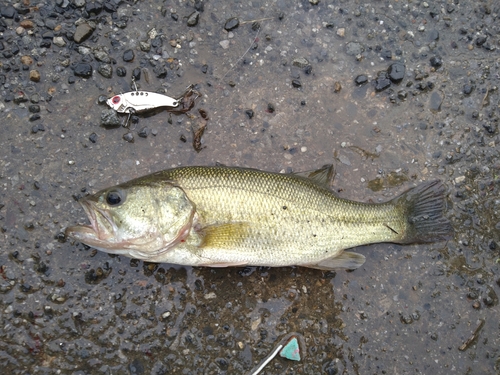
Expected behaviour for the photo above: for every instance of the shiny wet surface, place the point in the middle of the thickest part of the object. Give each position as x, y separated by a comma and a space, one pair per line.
407, 310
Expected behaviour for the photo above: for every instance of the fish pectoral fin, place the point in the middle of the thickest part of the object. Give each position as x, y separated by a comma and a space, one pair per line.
224, 236
347, 260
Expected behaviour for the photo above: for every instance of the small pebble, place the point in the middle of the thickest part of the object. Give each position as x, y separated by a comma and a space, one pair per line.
129, 137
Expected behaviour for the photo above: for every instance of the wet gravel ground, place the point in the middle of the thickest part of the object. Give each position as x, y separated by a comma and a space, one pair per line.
392, 92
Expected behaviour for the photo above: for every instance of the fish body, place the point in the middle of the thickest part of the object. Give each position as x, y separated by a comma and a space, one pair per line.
226, 216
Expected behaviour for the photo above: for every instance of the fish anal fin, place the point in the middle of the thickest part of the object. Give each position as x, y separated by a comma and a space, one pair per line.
323, 176
346, 260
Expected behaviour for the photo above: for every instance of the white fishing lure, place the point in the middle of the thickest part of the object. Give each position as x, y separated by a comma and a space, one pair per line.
140, 101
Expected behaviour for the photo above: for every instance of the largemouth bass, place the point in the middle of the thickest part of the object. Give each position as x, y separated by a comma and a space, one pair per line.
226, 216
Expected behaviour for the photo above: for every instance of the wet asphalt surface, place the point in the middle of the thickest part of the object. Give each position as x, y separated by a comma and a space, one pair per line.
420, 309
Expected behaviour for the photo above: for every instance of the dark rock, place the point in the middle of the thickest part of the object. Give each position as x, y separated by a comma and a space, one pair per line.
175, 16
82, 33
296, 83
14, 49
402, 95
8, 11
136, 367
249, 113
34, 117
143, 133
467, 89
435, 102
128, 55
199, 5
105, 70
386, 54
193, 19
35, 129
433, 35
382, 81
129, 137
121, 71
93, 137
109, 119
308, 69
45, 43
204, 69
481, 40
231, 24
93, 8
136, 74
436, 61
121, 23
490, 128
34, 108
157, 42
361, 79
71, 80
48, 35
396, 72
109, 7
83, 70
160, 71
492, 245
20, 97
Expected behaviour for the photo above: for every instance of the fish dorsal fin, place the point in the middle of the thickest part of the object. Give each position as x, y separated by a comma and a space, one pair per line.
347, 260
224, 236
323, 176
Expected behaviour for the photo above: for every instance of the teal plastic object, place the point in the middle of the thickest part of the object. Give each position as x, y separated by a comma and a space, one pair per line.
291, 350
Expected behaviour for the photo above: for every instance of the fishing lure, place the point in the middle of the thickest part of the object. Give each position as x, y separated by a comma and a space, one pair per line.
140, 101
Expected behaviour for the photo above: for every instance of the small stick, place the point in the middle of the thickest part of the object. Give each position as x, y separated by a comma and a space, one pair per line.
469, 341
248, 49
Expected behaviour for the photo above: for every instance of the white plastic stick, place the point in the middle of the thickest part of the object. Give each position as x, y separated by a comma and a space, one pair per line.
267, 360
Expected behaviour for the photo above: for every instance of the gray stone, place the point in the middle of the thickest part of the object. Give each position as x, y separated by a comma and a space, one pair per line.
105, 70
300, 62
78, 3
59, 41
109, 119
82, 33
354, 48
193, 19
435, 102
102, 56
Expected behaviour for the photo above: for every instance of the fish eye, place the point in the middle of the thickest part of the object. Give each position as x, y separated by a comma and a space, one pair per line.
116, 99
114, 198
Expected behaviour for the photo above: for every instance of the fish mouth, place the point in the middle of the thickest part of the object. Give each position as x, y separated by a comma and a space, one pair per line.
100, 231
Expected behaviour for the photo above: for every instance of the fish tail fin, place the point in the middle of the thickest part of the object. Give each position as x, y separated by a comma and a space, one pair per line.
423, 208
